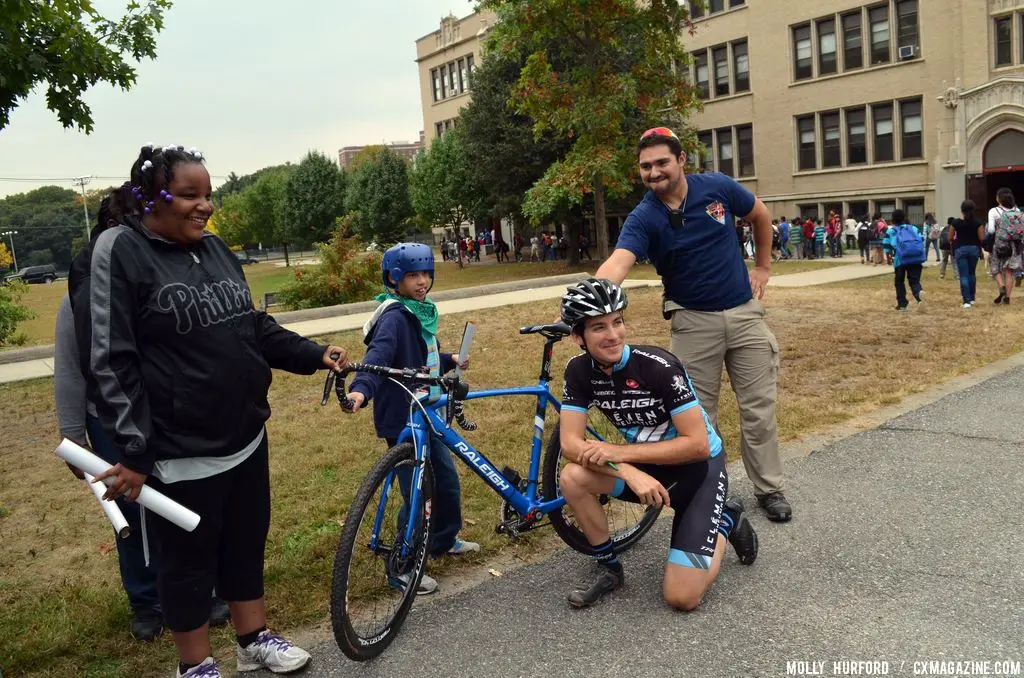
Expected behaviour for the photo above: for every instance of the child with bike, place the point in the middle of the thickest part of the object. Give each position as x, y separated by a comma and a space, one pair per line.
402, 333
673, 456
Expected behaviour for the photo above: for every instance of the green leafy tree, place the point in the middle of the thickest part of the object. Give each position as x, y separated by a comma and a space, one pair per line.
346, 274
378, 196
444, 187
237, 184
12, 311
70, 46
595, 67
47, 220
315, 198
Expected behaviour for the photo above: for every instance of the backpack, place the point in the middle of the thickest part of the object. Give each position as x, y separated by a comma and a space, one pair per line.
909, 246
1009, 233
944, 243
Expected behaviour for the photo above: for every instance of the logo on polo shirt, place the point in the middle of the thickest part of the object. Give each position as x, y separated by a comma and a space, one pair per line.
716, 211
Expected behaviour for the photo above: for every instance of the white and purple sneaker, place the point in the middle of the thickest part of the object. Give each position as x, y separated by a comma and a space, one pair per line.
272, 652
207, 669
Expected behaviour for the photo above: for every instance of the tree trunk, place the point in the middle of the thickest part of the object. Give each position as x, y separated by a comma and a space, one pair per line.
573, 236
286, 264
601, 222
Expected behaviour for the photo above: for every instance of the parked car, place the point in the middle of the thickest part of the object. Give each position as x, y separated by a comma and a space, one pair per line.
245, 259
46, 273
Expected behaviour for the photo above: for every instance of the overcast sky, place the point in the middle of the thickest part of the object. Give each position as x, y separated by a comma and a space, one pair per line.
249, 82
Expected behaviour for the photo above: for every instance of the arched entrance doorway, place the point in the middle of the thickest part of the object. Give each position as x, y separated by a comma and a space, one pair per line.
1002, 166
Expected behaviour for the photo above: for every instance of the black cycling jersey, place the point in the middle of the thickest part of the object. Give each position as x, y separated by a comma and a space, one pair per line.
645, 390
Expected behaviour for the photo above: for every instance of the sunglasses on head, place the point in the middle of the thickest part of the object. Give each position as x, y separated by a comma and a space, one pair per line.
659, 131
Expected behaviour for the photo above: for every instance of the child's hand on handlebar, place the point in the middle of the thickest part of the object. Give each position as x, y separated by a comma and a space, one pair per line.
357, 399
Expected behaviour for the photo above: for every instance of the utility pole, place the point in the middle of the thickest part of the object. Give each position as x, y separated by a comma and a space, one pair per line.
81, 182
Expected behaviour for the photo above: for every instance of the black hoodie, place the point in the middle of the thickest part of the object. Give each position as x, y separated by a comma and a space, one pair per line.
176, 359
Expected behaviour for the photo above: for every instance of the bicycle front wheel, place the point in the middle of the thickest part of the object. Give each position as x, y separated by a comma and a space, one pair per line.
627, 522
375, 579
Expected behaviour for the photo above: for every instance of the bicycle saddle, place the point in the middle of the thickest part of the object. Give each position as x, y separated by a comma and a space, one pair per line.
552, 331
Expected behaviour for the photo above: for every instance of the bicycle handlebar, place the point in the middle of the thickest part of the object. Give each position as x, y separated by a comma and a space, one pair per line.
453, 386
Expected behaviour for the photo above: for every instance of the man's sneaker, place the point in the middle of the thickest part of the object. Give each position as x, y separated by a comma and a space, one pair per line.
208, 669
272, 652
462, 547
776, 506
147, 624
606, 582
901, 309
967, 304
220, 613
742, 536
427, 585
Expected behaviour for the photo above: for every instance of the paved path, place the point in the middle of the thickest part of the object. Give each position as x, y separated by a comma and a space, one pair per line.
906, 546
43, 367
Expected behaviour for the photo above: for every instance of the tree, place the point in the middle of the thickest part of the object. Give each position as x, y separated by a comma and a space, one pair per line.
70, 46
315, 198
257, 214
378, 196
47, 220
6, 259
444, 187
12, 311
593, 66
237, 184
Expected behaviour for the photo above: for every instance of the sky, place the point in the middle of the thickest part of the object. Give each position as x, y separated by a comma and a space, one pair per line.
250, 83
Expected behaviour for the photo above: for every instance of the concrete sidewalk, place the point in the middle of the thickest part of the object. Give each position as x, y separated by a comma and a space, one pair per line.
905, 547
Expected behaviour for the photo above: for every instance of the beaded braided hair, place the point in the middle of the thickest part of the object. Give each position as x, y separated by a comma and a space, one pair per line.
152, 173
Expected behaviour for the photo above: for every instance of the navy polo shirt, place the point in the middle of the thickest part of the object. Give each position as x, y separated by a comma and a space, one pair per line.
707, 272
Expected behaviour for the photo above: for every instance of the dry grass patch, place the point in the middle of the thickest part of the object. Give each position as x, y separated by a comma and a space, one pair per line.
844, 352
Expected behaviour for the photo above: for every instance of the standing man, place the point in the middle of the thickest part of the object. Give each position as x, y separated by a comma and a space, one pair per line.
784, 237
685, 226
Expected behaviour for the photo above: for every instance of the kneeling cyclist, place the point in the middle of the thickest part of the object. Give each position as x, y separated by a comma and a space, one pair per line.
673, 458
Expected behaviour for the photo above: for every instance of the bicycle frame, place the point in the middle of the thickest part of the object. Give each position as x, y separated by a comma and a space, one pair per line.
427, 420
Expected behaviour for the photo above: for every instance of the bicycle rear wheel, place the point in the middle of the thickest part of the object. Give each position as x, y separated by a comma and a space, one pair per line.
628, 522
369, 602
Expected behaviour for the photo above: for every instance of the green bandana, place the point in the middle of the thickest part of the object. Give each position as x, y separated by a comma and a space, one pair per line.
425, 311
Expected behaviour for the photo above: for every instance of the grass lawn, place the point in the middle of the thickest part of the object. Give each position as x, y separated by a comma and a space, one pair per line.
845, 352
269, 277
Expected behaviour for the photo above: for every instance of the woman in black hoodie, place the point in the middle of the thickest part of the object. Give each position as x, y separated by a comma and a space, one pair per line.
178, 363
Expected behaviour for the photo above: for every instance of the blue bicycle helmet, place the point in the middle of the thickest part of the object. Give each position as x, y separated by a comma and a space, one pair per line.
405, 258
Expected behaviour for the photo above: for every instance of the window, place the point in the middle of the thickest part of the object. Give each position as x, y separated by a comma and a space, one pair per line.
707, 156
879, 19
808, 211
1004, 30
453, 79
463, 75
444, 81
716, 5
910, 127
745, 146
720, 57
802, 51
701, 66
1020, 32
469, 71
725, 150
696, 9
435, 75
831, 140
914, 209
885, 208
438, 129
882, 115
827, 61
856, 137
853, 49
858, 209
906, 25
741, 65
807, 151
737, 3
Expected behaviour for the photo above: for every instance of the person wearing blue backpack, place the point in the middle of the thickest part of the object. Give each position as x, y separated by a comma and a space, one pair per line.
908, 256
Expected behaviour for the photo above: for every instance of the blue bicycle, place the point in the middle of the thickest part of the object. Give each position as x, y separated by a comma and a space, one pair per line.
382, 551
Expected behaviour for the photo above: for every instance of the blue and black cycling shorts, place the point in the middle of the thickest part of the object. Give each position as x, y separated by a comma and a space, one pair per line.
697, 498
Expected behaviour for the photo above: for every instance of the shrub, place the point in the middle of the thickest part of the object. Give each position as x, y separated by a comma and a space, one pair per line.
346, 273
12, 311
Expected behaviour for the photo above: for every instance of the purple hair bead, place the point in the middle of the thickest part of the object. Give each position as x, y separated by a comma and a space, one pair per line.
166, 196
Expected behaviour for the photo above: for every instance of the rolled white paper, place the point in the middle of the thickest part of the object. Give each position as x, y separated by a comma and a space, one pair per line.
114, 514
158, 503
467, 341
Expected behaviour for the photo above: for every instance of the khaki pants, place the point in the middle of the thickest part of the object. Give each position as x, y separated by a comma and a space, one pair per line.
740, 338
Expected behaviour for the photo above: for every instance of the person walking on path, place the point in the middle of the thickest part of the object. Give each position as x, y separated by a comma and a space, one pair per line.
945, 242
969, 233
907, 246
1005, 224
931, 234
712, 300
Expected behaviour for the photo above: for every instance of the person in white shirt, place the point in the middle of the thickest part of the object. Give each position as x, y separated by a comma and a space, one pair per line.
850, 231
